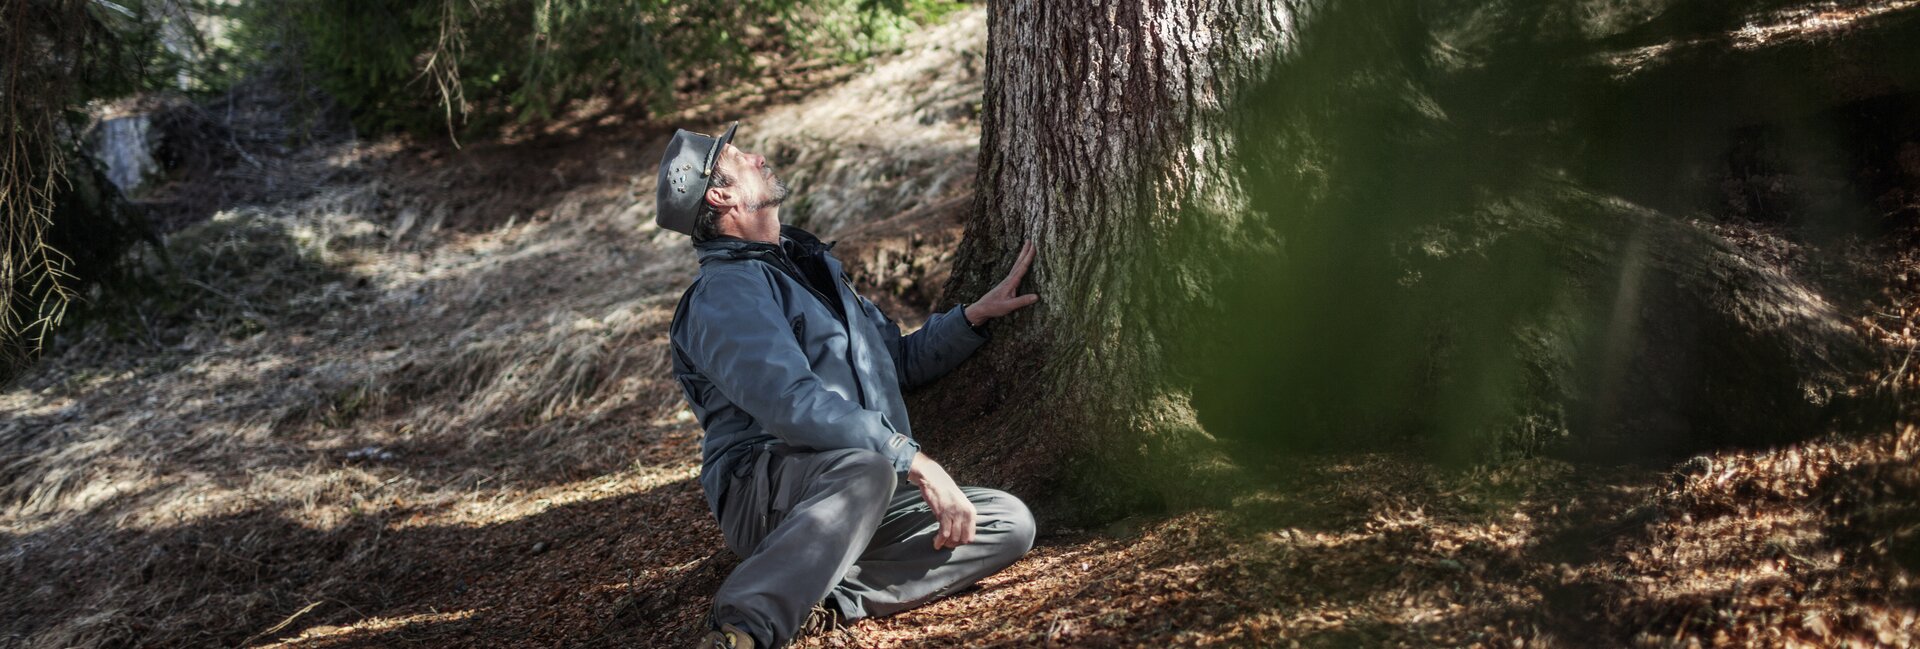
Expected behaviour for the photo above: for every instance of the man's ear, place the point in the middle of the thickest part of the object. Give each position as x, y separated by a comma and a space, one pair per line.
721, 197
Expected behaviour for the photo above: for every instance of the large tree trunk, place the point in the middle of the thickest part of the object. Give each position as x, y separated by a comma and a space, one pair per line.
1104, 139
1280, 227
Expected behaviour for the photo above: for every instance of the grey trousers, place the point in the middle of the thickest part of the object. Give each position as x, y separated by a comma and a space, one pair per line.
843, 524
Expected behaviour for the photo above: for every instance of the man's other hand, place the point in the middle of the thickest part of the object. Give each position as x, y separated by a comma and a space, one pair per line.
950, 506
1005, 297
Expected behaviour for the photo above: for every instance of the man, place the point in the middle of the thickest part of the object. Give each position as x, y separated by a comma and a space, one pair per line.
809, 461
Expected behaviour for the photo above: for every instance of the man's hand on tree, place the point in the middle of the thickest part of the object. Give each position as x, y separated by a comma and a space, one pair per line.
950, 506
1005, 298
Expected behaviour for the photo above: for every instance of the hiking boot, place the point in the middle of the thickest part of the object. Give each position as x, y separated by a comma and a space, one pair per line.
728, 637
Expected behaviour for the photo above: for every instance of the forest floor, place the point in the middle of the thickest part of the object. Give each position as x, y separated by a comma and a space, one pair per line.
394, 395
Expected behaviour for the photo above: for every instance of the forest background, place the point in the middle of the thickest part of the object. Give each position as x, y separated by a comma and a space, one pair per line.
1572, 323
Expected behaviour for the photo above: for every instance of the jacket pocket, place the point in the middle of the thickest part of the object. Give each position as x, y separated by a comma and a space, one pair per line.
800, 328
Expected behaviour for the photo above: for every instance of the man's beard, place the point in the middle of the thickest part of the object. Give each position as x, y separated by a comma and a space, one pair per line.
775, 197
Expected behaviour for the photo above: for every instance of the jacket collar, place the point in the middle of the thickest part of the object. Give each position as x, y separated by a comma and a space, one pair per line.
794, 243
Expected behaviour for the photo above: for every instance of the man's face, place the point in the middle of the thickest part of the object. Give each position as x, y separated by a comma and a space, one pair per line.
753, 179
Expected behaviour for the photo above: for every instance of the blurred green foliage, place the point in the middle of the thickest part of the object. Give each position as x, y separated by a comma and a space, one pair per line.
1461, 206
471, 65
1389, 306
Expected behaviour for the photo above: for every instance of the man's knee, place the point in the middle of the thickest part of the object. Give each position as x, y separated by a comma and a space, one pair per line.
1024, 527
1006, 513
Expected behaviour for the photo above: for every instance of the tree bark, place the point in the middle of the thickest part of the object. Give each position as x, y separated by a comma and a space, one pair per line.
1104, 139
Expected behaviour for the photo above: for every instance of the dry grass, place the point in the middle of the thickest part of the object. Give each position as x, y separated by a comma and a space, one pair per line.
370, 377
888, 139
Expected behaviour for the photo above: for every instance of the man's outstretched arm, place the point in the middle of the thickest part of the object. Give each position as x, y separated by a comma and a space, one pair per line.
952, 336
738, 337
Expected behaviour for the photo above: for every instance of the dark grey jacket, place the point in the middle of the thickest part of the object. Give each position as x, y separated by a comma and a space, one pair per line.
772, 343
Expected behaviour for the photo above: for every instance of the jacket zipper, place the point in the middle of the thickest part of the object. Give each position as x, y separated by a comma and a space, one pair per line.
846, 323
786, 266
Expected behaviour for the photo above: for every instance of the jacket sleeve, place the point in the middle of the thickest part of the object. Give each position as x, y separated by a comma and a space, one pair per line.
738, 337
930, 353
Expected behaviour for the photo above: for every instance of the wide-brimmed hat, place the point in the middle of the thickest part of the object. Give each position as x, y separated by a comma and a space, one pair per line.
686, 170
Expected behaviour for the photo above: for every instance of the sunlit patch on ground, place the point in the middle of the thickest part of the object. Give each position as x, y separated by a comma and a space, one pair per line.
328, 636
1797, 24
1812, 22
